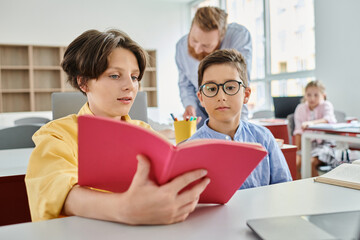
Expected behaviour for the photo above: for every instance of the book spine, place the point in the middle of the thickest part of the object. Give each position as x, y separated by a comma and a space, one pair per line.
164, 177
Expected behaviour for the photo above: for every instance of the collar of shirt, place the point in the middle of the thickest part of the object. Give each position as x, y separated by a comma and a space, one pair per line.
85, 110
219, 135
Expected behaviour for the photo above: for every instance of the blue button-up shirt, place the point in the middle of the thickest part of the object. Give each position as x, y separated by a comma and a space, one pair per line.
272, 169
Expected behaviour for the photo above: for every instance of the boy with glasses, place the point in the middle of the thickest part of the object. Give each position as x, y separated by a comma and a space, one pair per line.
223, 89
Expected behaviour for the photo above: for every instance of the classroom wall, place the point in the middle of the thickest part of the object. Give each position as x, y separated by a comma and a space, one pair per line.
158, 24
338, 52
154, 24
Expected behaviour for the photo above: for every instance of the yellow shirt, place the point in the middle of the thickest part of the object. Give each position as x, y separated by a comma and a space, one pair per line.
53, 165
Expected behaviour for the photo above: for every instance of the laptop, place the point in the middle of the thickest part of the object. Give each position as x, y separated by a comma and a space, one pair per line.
65, 103
340, 225
284, 106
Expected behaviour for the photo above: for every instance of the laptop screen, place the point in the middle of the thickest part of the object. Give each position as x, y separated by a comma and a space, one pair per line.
284, 106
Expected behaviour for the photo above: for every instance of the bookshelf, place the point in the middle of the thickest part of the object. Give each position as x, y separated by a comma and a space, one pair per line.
30, 73
148, 82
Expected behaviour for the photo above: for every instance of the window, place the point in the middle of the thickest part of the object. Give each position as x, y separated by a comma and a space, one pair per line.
251, 15
283, 38
204, 3
289, 87
292, 44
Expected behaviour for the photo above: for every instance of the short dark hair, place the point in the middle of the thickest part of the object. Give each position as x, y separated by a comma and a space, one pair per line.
224, 56
87, 55
211, 18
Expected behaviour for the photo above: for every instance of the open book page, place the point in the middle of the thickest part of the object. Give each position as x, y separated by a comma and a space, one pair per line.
197, 142
228, 164
108, 150
335, 125
346, 175
356, 162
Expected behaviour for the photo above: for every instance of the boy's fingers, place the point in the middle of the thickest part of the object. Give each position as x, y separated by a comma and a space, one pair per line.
192, 194
182, 181
188, 208
143, 169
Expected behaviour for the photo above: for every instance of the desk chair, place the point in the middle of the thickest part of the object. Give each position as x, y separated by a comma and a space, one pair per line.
17, 136
291, 127
340, 116
31, 120
65, 103
263, 114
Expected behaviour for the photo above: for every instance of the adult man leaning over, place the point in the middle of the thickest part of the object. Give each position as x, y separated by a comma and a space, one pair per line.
209, 32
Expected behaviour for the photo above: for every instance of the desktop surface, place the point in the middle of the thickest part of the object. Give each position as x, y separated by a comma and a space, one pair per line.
337, 128
206, 222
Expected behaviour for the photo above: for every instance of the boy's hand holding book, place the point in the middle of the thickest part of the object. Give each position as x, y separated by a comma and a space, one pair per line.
153, 201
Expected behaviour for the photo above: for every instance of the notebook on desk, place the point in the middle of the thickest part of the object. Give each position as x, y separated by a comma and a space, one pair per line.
340, 225
334, 126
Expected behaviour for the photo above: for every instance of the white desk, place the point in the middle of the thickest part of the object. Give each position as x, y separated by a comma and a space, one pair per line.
7, 119
207, 222
306, 139
14, 161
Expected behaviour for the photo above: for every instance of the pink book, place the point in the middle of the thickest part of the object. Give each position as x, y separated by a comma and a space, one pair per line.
108, 149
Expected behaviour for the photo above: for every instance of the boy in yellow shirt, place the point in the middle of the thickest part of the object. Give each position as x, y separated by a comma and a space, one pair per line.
107, 68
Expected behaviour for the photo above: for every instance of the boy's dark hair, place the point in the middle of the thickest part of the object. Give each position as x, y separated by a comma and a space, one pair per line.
224, 56
87, 55
211, 18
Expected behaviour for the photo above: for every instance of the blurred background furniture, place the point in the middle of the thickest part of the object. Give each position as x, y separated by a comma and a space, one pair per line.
341, 135
14, 205
65, 103
263, 114
340, 116
291, 127
31, 73
283, 106
289, 152
18, 136
31, 120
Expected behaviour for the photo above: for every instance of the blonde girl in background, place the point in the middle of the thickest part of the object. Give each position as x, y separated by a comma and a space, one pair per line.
314, 109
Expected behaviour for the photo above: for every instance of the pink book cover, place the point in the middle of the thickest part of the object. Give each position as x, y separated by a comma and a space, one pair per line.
108, 149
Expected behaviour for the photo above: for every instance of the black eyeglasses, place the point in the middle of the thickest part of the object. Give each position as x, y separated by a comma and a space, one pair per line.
230, 87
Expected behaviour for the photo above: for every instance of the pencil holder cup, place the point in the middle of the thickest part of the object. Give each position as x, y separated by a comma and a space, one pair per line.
184, 130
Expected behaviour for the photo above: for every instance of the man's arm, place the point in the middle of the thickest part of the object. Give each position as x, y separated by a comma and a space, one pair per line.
186, 89
241, 41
